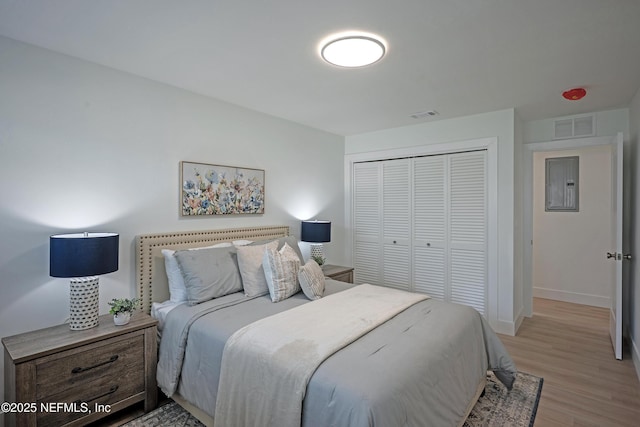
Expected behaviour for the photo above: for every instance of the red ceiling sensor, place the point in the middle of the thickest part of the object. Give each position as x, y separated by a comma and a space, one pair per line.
574, 94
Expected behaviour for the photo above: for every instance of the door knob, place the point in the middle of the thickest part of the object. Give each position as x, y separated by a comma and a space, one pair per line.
611, 255
627, 257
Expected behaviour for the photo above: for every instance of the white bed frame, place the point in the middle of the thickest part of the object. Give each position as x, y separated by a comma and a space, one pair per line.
152, 284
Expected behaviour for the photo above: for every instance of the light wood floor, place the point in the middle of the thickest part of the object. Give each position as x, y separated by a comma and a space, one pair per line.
584, 385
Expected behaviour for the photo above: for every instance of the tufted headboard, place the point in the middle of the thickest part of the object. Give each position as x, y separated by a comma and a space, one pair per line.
151, 277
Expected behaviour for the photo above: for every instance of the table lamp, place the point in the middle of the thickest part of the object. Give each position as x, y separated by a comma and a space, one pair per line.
82, 257
316, 233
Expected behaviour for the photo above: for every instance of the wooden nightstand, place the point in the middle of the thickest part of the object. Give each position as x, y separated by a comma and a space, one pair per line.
338, 272
95, 372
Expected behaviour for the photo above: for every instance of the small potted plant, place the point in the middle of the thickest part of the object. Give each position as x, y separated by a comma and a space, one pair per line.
319, 259
122, 309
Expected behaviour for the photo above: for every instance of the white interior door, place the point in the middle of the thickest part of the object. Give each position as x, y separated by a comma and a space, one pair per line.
367, 222
430, 272
396, 224
468, 229
615, 314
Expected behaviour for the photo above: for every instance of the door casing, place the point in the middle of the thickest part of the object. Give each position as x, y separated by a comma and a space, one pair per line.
528, 151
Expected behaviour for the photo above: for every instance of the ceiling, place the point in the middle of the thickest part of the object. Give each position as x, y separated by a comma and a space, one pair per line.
458, 57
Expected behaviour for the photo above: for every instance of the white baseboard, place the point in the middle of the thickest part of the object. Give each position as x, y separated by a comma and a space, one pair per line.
519, 320
505, 328
635, 355
574, 297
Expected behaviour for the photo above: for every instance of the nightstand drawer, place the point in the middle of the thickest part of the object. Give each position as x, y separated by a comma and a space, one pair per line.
345, 277
104, 391
80, 370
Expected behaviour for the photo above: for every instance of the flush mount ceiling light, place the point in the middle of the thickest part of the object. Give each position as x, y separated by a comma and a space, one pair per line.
352, 50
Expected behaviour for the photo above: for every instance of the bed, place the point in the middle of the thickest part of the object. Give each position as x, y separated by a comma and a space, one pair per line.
423, 364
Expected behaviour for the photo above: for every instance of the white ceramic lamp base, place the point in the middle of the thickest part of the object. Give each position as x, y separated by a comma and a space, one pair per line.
317, 250
84, 303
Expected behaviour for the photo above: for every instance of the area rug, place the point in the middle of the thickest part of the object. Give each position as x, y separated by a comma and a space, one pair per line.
498, 407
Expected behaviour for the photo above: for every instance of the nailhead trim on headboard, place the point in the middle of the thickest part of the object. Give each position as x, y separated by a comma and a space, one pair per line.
152, 288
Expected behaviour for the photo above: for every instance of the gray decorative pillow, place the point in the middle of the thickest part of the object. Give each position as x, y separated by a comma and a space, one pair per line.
281, 271
209, 273
177, 289
311, 280
251, 271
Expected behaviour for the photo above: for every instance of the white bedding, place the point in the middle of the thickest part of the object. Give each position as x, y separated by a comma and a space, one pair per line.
159, 311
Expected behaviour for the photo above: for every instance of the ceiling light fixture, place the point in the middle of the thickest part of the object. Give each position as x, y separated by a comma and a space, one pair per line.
352, 50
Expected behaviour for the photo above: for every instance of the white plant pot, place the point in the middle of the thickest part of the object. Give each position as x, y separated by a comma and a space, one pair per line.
121, 318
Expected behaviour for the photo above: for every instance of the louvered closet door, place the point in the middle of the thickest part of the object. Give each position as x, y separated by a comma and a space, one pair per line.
421, 224
396, 223
367, 222
430, 226
468, 229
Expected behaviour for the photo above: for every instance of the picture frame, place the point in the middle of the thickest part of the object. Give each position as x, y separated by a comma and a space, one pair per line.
209, 189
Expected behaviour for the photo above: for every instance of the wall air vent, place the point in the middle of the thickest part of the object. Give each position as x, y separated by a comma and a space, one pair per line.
576, 127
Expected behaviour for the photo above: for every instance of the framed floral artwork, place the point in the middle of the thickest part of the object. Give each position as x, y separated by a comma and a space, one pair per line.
220, 190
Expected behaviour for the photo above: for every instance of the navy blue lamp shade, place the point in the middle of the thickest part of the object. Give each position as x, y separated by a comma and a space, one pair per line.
316, 231
83, 254
82, 257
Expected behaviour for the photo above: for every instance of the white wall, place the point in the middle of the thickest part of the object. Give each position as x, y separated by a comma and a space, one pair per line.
84, 147
608, 123
569, 247
519, 293
498, 124
634, 288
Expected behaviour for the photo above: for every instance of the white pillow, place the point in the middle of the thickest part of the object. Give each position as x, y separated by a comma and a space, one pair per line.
281, 272
251, 271
311, 280
289, 253
177, 288
242, 242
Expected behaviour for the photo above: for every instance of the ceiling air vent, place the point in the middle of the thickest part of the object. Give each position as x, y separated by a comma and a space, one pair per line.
576, 127
422, 114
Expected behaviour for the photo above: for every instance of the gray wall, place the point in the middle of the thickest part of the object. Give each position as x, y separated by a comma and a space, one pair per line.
87, 148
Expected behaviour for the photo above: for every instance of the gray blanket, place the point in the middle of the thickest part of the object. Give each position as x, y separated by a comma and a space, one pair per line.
420, 368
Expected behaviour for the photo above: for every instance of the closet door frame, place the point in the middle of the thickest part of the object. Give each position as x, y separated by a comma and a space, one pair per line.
488, 144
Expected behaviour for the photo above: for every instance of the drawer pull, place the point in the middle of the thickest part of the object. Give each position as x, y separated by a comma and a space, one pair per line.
112, 390
78, 369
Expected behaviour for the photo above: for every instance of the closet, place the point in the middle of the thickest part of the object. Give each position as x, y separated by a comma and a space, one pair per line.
420, 224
